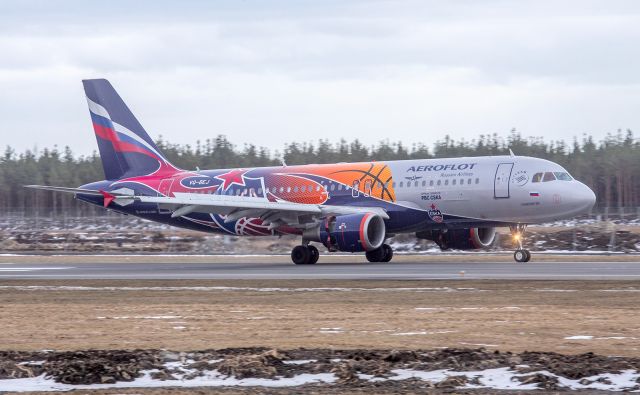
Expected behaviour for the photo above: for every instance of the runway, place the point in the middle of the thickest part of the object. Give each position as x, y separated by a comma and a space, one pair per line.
279, 267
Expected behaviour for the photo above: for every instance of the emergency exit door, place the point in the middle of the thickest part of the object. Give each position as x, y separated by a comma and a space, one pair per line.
501, 182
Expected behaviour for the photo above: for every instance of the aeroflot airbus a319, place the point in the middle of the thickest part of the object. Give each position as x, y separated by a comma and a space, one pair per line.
349, 207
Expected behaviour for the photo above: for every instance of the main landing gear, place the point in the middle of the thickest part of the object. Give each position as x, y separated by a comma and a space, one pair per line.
384, 253
517, 232
305, 254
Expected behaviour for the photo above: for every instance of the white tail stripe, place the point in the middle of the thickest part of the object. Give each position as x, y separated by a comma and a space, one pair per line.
99, 110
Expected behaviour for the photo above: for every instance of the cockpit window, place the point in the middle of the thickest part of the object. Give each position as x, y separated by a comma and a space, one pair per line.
548, 176
537, 177
563, 176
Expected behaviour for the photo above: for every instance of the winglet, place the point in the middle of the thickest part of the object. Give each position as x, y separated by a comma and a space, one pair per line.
108, 198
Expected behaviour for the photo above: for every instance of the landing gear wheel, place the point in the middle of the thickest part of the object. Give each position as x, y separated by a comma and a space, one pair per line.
315, 254
376, 255
301, 255
388, 252
521, 255
517, 231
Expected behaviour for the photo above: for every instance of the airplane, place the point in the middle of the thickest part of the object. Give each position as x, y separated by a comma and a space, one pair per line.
349, 207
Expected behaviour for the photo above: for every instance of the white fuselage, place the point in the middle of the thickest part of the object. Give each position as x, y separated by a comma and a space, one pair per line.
495, 188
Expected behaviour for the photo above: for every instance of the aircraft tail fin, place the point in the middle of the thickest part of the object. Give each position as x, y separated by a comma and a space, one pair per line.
125, 147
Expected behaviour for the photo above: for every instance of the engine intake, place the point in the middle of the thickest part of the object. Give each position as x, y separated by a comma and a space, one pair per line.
350, 233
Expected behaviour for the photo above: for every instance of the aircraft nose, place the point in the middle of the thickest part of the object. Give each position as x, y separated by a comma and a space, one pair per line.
586, 197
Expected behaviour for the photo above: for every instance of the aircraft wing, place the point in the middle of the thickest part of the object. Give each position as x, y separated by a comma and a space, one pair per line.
234, 207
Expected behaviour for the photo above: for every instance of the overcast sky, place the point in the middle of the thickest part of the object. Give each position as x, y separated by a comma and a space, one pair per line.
270, 72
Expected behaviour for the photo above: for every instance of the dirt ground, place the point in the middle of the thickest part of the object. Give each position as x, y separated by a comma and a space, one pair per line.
562, 316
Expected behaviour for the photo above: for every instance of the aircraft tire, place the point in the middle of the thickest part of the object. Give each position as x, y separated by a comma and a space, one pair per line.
528, 258
301, 255
376, 255
520, 255
388, 253
315, 254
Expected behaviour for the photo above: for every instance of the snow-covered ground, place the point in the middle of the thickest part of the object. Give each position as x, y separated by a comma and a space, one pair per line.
498, 378
115, 233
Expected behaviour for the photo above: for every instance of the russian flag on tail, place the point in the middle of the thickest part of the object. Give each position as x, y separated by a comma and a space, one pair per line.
125, 147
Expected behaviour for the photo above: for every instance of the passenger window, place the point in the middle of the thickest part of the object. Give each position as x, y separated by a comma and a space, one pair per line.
394, 184
469, 181
536, 177
424, 183
281, 189
295, 189
401, 184
339, 187
431, 183
562, 176
318, 188
548, 176
439, 182
453, 182
333, 187
288, 189
477, 181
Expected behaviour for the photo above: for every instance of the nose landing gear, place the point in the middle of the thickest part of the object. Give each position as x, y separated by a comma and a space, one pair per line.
517, 233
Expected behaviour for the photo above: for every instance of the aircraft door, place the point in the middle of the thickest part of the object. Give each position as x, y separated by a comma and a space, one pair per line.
163, 190
367, 188
501, 181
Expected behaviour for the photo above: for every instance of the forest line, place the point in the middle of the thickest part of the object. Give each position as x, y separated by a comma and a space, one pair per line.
609, 166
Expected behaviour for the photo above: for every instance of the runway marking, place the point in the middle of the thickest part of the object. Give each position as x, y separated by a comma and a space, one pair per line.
32, 269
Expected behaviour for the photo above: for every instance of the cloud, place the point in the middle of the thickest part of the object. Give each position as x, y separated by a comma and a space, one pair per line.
277, 72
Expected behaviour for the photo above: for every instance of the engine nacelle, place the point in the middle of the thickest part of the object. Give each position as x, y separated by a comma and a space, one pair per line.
461, 239
350, 233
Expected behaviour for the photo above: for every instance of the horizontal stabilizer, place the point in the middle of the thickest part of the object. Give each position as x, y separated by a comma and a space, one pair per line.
64, 189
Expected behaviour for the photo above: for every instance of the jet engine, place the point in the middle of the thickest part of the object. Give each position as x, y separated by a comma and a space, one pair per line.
461, 239
349, 233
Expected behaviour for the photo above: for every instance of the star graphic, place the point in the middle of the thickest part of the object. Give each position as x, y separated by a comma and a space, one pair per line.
232, 177
433, 206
